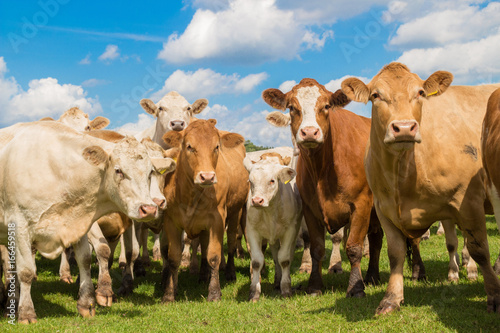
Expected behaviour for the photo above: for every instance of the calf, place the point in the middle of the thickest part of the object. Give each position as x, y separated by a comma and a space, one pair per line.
421, 131
55, 207
330, 175
205, 194
274, 213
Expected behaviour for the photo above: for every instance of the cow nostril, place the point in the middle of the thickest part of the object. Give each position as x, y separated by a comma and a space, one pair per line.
395, 128
413, 127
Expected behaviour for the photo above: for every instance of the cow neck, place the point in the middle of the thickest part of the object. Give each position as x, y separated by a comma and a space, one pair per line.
158, 135
317, 159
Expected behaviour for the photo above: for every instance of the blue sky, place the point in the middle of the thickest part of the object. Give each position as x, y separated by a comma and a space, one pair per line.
105, 56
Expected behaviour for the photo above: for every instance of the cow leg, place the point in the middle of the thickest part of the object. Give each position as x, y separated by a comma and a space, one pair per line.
156, 247
470, 264
214, 237
64, 267
171, 249
306, 263
140, 230
194, 263
257, 259
441, 230
26, 273
3, 270
186, 251
122, 259
375, 238
451, 245
131, 248
495, 202
104, 292
240, 253
146, 262
396, 249
335, 266
277, 267
317, 236
418, 268
112, 248
232, 223
86, 299
285, 258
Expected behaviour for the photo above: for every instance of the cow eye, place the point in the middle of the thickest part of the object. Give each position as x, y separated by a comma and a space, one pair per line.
119, 172
161, 108
271, 182
189, 108
327, 106
375, 95
216, 149
421, 92
87, 128
291, 108
190, 148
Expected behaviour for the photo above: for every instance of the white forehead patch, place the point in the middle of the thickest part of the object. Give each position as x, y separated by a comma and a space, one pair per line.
307, 97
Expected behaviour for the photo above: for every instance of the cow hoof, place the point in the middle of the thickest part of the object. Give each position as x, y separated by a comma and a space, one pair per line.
453, 277
85, 311
214, 297
230, 276
157, 257
356, 294
472, 274
67, 279
387, 306
496, 267
27, 320
336, 269
185, 262
372, 279
314, 292
122, 264
305, 269
493, 304
104, 300
168, 299
286, 294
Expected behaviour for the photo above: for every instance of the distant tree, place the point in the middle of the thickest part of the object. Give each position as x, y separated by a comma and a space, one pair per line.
249, 146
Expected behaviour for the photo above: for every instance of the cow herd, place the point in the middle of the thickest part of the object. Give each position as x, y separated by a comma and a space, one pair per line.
429, 153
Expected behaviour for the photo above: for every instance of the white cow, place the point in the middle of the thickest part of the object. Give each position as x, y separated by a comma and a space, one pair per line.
79, 120
55, 183
274, 213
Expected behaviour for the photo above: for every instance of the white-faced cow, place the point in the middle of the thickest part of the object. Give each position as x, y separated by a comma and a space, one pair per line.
421, 131
79, 120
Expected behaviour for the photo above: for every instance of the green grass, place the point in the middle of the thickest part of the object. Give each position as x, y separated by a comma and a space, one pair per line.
434, 305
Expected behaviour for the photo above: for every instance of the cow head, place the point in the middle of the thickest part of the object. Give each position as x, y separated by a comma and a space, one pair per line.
200, 144
265, 177
127, 171
397, 96
162, 165
309, 103
79, 120
173, 111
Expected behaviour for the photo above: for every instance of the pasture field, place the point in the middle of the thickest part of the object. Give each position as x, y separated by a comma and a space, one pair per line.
431, 306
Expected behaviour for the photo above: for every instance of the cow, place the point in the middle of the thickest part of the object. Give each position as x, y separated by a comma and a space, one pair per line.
490, 143
205, 194
420, 131
55, 183
79, 120
173, 113
330, 175
274, 213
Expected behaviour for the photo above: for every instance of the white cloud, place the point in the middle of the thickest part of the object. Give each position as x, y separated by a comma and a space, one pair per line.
110, 54
86, 60
206, 82
94, 82
144, 122
287, 86
256, 128
45, 97
244, 31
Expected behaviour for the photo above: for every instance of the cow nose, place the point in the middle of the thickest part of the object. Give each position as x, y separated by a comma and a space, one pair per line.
161, 203
404, 130
146, 211
177, 125
207, 178
309, 133
257, 201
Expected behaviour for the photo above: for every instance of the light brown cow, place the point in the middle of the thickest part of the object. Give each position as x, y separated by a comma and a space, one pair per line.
204, 194
330, 175
421, 131
491, 156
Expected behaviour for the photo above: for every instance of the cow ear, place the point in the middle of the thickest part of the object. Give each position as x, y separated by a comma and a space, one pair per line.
163, 165
248, 163
286, 175
47, 119
275, 98
99, 123
173, 138
437, 83
95, 155
149, 106
287, 160
212, 122
278, 119
172, 153
355, 90
339, 99
199, 105
231, 140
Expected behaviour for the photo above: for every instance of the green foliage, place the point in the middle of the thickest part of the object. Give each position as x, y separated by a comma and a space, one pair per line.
432, 306
249, 146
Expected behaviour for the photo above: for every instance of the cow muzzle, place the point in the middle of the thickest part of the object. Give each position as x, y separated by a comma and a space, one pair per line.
206, 178
147, 212
160, 202
309, 137
258, 201
403, 131
177, 125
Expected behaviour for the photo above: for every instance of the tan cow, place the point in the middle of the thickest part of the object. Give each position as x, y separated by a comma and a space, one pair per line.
421, 131
491, 157
79, 120
55, 183
205, 194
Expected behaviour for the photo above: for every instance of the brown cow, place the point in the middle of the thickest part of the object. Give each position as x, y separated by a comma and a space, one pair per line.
204, 194
330, 175
415, 185
491, 156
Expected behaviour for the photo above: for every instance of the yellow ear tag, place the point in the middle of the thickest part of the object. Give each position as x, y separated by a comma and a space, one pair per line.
287, 182
432, 93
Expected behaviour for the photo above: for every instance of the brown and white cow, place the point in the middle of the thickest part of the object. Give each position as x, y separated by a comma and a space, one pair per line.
330, 174
79, 120
205, 194
491, 157
51, 202
421, 131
